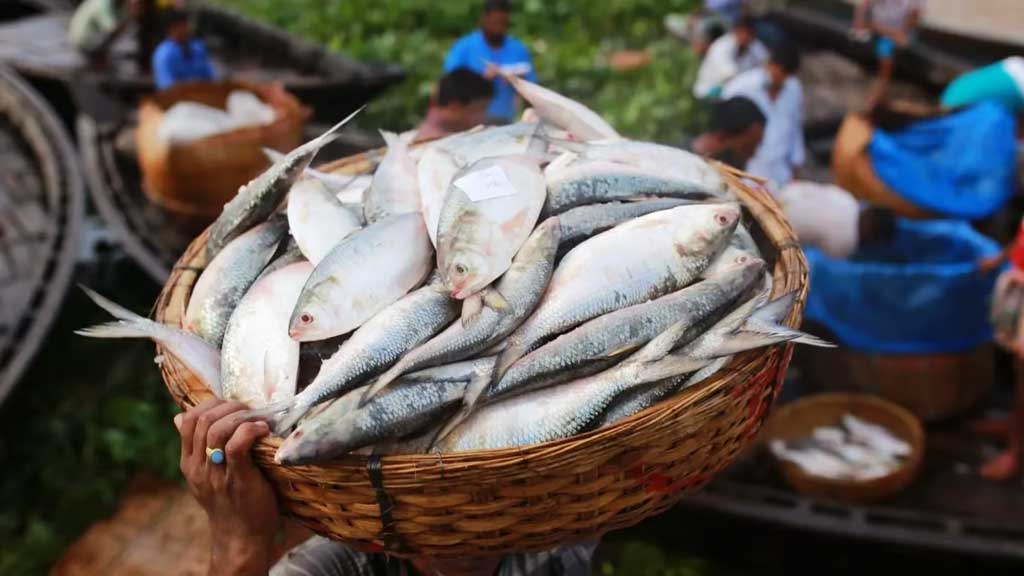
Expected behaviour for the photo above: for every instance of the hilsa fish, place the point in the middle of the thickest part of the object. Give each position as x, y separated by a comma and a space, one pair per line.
259, 198
631, 263
491, 208
520, 289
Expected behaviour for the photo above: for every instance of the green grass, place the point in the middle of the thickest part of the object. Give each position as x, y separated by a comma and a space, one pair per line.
569, 41
88, 416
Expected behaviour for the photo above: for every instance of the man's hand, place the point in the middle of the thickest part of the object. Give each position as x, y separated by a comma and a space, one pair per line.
238, 499
491, 71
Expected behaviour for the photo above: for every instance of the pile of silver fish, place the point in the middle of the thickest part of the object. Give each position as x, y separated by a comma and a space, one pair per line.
500, 287
853, 450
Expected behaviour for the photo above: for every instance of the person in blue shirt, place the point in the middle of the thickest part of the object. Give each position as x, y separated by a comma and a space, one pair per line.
489, 51
180, 57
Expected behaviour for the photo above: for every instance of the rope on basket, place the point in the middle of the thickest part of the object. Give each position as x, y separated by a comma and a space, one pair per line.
393, 541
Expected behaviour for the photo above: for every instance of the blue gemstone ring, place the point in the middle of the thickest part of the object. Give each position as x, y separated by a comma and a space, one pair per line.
216, 455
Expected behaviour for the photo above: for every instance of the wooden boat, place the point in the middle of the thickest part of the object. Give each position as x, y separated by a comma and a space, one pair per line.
330, 83
41, 208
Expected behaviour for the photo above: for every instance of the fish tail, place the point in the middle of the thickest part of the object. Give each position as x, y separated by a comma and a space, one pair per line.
113, 308
129, 324
118, 329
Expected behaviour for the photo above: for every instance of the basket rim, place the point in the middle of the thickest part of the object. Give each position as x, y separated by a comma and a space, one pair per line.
754, 198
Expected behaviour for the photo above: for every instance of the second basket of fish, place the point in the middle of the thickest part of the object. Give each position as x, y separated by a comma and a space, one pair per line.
501, 341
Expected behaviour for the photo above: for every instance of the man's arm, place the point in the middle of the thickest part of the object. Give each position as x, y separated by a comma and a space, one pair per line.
456, 57
163, 68
798, 154
860, 15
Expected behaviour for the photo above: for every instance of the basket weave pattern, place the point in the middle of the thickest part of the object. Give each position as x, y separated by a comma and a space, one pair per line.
532, 497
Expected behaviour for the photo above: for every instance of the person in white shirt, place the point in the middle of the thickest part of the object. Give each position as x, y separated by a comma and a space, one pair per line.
729, 55
830, 219
777, 92
891, 23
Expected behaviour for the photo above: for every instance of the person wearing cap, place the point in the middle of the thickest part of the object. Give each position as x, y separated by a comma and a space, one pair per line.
180, 57
491, 52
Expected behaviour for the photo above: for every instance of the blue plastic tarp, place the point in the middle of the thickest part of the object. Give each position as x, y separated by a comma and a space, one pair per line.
919, 293
961, 166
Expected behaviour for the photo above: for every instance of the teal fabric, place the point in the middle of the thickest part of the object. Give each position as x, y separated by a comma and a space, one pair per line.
991, 83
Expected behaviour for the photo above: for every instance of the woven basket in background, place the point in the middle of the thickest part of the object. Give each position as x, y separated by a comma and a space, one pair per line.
194, 180
532, 497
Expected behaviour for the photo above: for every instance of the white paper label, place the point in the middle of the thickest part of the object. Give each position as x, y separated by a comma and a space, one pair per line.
486, 184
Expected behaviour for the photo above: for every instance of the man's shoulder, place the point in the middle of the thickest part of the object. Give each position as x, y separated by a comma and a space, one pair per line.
465, 41
165, 49
516, 44
724, 42
745, 82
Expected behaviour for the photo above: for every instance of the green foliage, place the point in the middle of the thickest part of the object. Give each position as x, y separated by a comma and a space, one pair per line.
569, 40
637, 558
86, 418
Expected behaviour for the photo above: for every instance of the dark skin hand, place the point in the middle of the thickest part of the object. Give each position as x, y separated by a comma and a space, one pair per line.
240, 503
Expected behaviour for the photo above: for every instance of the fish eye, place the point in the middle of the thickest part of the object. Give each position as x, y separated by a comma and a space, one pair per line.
461, 269
721, 219
742, 259
306, 318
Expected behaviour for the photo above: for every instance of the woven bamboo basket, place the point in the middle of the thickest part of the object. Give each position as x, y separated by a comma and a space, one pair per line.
798, 420
934, 387
532, 497
193, 181
854, 173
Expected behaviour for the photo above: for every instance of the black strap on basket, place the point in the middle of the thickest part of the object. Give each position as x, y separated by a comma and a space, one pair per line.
389, 533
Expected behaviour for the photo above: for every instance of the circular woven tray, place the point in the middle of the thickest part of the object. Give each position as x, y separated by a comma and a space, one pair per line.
532, 497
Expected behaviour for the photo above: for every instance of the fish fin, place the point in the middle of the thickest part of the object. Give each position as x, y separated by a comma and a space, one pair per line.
670, 365
322, 140
270, 414
289, 417
561, 162
273, 155
746, 340
390, 138
452, 423
495, 300
113, 308
619, 351
662, 344
774, 311
471, 308
376, 388
509, 356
